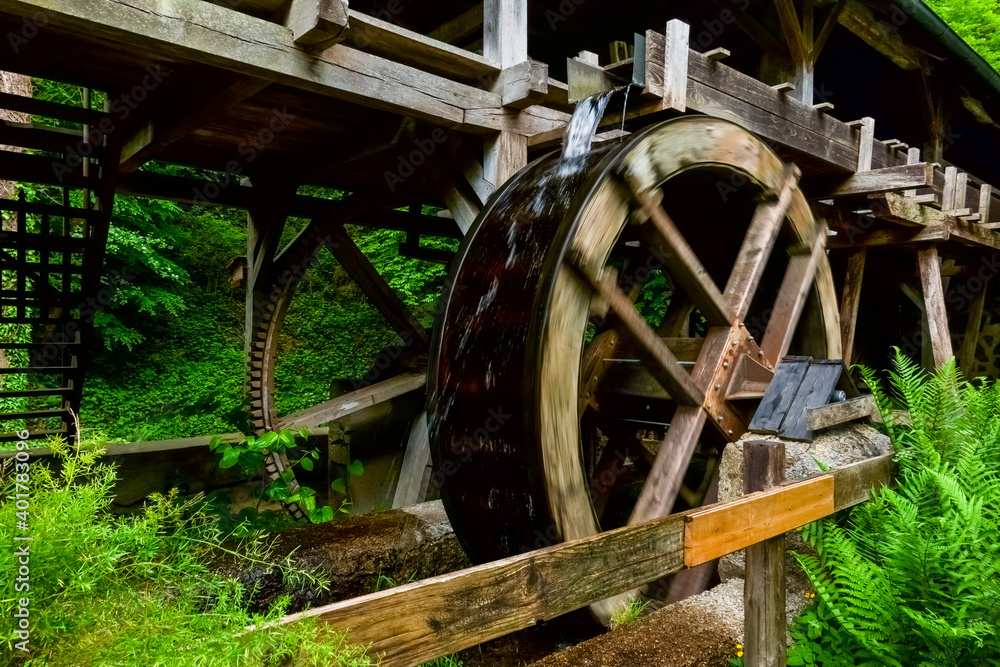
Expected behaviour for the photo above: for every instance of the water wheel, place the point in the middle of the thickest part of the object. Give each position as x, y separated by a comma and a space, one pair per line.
586, 344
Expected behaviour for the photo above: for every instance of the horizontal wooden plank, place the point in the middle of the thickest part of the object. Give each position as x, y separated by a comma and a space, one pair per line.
355, 401
856, 483
888, 179
220, 37
428, 619
826, 416
401, 45
723, 529
51, 109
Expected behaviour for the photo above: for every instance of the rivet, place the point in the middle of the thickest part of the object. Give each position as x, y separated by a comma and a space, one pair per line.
725, 364
733, 343
718, 386
730, 431
719, 418
760, 353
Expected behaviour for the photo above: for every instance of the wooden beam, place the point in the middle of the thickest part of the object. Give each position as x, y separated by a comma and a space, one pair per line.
373, 284
723, 529
882, 37
827, 29
212, 35
758, 33
888, 179
523, 85
985, 200
764, 587
415, 472
411, 48
205, 105
850, 300
675, 66
432, 618
506, 153
834, 414
934, 302
355, 401
792, 30
505, 31
317, 24
866, 144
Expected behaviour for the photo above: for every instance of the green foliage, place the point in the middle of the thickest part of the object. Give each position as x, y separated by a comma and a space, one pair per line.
250, 454
913, 576
629, 612
138, 590
975, 21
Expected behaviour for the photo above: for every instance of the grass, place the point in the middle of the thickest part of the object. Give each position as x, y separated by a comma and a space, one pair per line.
628, 613
137, 591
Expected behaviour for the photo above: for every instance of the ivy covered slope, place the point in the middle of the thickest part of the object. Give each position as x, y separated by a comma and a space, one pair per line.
912, 578
975, 21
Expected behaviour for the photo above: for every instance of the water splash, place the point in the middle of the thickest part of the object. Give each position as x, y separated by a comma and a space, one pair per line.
583, 125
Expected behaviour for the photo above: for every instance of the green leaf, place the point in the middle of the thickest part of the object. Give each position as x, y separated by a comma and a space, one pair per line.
306, 464
339, 486
229, 458
287, 438
356, 468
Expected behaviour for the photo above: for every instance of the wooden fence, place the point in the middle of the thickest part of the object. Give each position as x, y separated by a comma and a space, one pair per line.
435, 617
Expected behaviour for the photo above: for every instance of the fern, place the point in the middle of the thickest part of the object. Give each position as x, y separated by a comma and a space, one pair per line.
913, 576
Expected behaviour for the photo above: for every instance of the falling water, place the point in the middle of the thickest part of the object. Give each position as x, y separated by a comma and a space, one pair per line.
583, 125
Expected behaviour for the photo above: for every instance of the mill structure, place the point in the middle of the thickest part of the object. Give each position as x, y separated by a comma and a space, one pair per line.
805, 177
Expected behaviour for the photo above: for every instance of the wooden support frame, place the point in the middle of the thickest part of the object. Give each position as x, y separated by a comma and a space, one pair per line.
764, 587
934, 303
428, 619
317, 24
851, 300
204, 105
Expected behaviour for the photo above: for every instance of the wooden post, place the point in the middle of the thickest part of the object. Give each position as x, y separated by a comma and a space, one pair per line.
505, 41
764, 589
675, 66
935, 313
850, 300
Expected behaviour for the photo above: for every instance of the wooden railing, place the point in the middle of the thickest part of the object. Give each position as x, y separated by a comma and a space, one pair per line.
435, 617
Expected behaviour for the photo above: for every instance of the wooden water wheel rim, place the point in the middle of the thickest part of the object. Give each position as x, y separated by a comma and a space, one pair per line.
553, 345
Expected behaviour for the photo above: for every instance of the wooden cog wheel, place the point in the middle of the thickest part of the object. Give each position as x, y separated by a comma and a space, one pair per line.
586, 341
290, 266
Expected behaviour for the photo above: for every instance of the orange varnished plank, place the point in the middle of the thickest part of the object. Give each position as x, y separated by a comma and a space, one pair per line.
723, 529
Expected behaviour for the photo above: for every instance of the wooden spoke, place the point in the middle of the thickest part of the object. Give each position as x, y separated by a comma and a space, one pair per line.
794, 290
593, 369
936, 315
682, 262
663, 365
758, 244
664, 481
374, 286
851, 300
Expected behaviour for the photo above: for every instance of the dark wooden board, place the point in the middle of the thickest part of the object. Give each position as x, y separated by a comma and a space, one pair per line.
817, 386
778, 397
